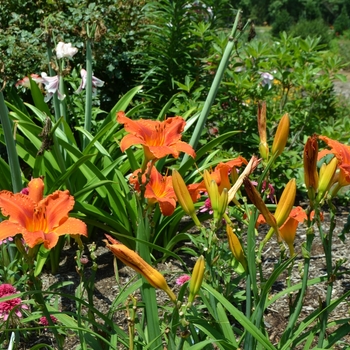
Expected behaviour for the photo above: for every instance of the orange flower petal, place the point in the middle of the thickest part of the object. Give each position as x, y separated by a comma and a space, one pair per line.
130, 140
167, 206
72, 226
181, 146
19, 207
34, 238
9, 229
57, 206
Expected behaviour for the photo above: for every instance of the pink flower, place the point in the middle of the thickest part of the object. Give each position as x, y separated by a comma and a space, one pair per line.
8, 305
95, 82
206, 207
43, 320
65, 50
26, 83
6, 240
270, 190
25, 191
182, 280
52, 85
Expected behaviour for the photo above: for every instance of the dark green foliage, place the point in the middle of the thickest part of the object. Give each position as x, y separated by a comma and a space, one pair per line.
25, 31
315, 28
342, 22
282, 22
176, 43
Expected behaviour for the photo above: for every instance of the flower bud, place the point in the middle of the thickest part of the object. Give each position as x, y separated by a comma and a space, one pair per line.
133, 260
281, 136
256, 199
263, 146
286, 202
326, 176
236, 247
184, 197
196, 279
310, 166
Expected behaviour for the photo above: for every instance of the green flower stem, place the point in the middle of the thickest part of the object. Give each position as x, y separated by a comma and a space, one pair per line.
88, 89
62, 103
327, 247
295, 311
251, 284
147, 291
38, 296
15, 170
56, 106
214, 87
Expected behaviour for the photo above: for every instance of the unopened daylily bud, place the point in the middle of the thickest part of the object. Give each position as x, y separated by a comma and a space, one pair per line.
281, 136
222, 205
196, 279
256, 199
263, 146
286, 202
133, 260
208, 183
310, 166
218, 201
184, 197
236, 247
326, 176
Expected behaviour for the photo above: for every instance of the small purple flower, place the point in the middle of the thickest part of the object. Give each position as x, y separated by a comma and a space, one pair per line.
8, 305
52, 85
95, 82
182, 280
267, 79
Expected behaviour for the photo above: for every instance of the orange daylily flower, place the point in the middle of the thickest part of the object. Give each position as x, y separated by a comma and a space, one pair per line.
220, 175
158, 139
158, 189
38, 219
342, 153
289, 228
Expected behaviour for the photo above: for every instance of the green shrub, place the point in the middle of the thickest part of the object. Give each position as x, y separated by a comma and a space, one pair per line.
314, 28
342, 22
282, 22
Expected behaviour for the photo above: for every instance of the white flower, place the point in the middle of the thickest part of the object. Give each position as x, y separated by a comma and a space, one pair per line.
95, 82
267, 79
65, 50
52, 85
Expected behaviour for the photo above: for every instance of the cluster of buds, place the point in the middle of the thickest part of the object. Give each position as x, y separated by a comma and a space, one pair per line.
318, 183
281, 136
